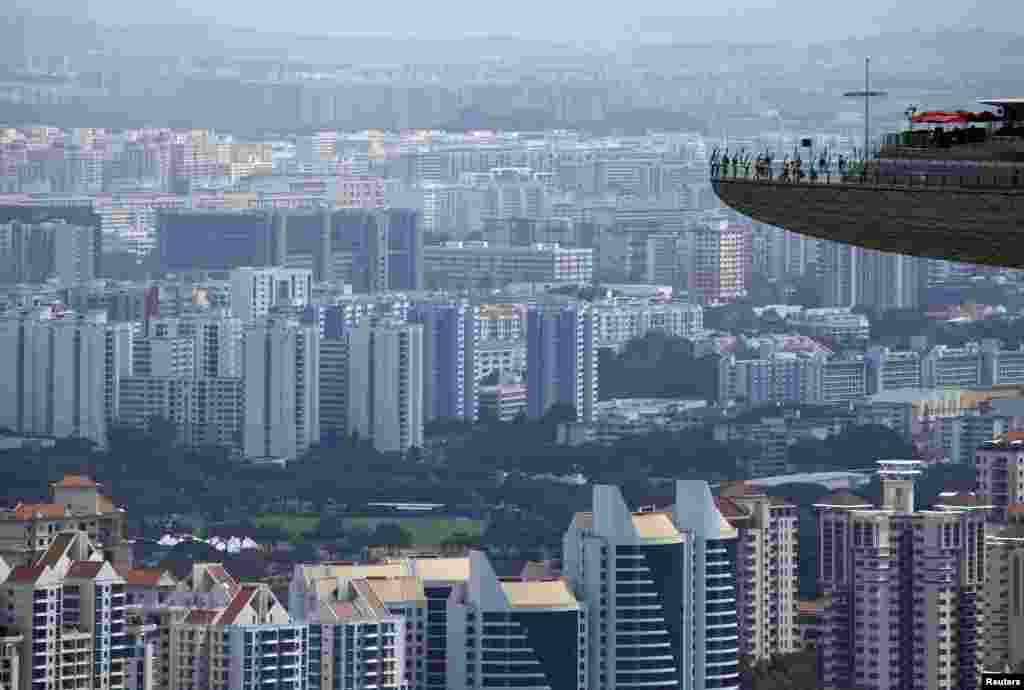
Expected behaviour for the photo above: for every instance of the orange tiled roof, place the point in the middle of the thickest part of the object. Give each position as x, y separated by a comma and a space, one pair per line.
1015, 509
143, 577
75, 481
28, 511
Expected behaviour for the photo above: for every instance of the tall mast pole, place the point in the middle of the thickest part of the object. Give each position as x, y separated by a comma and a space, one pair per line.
866, 94
867, 106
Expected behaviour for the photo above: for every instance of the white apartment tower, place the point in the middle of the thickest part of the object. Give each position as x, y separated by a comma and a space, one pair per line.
74, 254
216, 341
282, 389
64, 375
1004, 594
385, 385
256, 291
1000, 469
767, 571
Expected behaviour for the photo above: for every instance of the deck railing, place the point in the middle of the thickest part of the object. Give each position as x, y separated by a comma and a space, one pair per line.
869, 175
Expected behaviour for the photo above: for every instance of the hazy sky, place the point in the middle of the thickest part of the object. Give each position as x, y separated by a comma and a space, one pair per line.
571, 20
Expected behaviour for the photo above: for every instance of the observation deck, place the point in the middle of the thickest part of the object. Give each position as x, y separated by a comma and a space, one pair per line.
945, 195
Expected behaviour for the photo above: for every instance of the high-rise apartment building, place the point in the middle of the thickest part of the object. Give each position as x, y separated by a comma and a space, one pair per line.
385, 385
720, 263
282, 389
561, 360
1004, 593
471, 265
163, 357
74, 253
417, 588
767, 571
451, 338
250, 642
357, 640
855, 276
405, 249
333, 390
515, 632
205, 412
77, 503
216, 341
659, 591
64, 373
904, 589
69, 608
257, 291
1000, 468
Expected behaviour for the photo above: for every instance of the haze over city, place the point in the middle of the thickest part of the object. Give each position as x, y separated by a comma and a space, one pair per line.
550, 346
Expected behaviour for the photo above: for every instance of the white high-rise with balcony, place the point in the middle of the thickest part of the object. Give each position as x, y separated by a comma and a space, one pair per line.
282, 389
256, 291
385, 385
63, 373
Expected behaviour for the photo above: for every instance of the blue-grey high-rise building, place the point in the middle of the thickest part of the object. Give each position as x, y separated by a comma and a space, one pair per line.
451, 334
561, 360
405, 250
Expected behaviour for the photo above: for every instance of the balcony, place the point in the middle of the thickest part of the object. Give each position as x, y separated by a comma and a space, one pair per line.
973, 217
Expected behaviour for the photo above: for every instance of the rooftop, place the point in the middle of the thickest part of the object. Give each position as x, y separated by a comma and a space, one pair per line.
147, 577
85, 570
653, 525
961, 499
241, 599
539, 594
843, 499
75, 481
394, 590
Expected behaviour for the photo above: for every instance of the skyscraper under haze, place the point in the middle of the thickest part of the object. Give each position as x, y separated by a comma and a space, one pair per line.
561, 360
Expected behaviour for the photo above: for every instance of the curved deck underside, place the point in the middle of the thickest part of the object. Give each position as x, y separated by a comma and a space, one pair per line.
972, 225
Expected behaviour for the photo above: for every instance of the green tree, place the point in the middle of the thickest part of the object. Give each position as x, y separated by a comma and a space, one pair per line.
462, 540
391, 534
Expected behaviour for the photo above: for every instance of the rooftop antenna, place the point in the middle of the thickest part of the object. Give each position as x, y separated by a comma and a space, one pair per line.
866, 94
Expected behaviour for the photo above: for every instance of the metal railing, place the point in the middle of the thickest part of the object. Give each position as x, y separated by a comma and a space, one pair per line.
864, 175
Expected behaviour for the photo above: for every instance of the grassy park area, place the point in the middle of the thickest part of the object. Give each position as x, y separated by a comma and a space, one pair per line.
425, 530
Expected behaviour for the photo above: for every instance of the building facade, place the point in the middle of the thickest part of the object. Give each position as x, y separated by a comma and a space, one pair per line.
561, 360
658, 589
385, 385
767, 572
451, 338
515, 632
65, 374
255, 292
282, 389
904, 590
